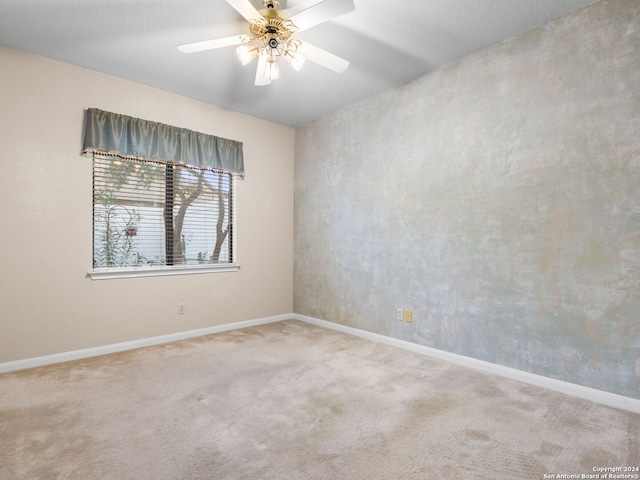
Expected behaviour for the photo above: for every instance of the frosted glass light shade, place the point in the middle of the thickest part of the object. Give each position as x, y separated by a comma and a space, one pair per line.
271, 69
295, 59
247, 52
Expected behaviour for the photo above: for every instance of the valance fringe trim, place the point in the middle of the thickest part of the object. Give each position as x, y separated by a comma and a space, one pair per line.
101, 153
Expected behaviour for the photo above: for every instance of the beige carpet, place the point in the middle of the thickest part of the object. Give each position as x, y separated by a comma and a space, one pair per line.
295, 401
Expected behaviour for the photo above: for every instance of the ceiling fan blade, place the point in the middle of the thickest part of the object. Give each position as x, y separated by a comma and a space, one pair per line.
322, 57
321, 12
261, 80
211, 44
245, 9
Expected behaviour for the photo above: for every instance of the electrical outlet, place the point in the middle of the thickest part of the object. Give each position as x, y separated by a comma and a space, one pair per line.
180, 308
408, 316
399, 314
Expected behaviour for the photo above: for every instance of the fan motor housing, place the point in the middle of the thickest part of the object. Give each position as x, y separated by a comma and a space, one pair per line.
272, 26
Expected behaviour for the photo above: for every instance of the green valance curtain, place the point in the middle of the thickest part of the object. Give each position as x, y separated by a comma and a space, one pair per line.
129, 137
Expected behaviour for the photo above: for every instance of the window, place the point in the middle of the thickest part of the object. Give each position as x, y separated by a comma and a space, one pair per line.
163, 197
155, 215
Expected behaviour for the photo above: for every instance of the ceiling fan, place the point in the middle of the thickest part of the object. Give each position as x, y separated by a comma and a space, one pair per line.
270, 37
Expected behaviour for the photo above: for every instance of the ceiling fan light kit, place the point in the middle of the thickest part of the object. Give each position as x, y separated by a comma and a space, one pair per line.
270, 37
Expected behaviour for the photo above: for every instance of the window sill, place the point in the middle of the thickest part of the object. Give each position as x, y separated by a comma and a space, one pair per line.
106, 274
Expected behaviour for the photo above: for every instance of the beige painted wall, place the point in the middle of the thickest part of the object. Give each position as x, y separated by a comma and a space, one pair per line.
48, 304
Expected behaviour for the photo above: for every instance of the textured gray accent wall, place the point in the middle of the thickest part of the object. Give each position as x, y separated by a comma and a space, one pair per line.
497, 197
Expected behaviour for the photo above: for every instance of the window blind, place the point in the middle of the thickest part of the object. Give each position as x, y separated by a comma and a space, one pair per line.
149, 214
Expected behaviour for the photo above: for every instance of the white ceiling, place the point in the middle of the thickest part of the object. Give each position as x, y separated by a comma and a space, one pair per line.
387, 43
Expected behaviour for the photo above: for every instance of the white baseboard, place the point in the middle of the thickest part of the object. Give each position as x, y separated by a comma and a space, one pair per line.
591, 394
133, 344
598, 396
